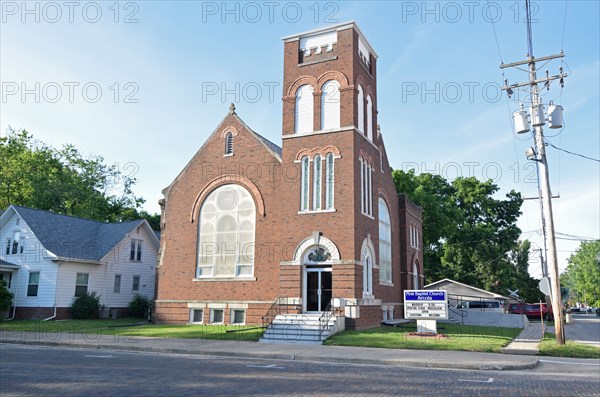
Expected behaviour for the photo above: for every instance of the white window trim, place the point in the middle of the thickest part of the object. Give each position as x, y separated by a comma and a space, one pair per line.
192, 310
139, 284
232, 316
212, 316
329, 182
304, 183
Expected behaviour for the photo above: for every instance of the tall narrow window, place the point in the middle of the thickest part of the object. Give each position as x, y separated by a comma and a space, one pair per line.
385, 243
415, 276
369, 118
329, 175
361, 110
304, 109
34, 282
15, 243
117, 284
317, 183
330, 105
135, 254
362, 185
81, 284
229, 144
226, 233
136, 284
367, 262
305, 177
366, 189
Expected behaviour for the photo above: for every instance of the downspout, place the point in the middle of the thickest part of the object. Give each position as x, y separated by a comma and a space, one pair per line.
15, 297
55, 295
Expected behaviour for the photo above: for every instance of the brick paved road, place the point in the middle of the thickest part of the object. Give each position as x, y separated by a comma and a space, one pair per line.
53, 371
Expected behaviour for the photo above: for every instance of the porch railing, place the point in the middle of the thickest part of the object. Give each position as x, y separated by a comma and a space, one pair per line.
281, 305
324, 319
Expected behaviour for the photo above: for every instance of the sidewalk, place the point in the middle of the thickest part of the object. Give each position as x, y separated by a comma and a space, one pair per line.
290, 351
528, 341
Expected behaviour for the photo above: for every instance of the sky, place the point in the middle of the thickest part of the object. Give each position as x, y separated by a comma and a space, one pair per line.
144, 83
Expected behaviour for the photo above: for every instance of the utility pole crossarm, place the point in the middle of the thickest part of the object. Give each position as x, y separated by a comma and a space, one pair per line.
538, 81
531, 60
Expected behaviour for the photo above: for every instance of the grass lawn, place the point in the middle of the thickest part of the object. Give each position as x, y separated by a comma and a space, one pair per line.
135, 327
459, 337
548, 347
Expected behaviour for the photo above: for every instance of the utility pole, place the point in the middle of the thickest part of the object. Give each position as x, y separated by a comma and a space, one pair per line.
537, 120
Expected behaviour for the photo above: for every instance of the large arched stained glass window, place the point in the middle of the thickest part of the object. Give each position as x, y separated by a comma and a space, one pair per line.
226, 233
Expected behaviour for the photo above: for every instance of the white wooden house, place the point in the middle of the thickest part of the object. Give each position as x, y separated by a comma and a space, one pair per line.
48, 259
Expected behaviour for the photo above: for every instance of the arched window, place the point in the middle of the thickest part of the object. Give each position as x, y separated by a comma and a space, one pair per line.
317, 183
304, 181
226, 233
385, 243
229, 144
367, 262
361, 109
330, 105
369, 118
415, 272
304, 109
329, 176
366, 188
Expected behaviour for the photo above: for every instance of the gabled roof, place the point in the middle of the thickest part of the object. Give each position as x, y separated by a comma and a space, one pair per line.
76, 238
447, 280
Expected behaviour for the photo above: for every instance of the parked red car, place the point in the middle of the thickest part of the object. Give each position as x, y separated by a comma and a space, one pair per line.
532, 310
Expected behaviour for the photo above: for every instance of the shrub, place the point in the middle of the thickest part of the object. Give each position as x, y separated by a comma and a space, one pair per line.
140, 306
86, 306
6, 297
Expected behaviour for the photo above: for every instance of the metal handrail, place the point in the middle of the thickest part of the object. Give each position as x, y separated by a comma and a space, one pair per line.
281, 305
324, 319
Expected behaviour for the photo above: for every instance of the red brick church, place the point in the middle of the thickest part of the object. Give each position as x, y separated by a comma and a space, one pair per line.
247, 222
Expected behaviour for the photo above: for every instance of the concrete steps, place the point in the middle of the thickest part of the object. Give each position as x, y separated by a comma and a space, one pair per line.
298, 328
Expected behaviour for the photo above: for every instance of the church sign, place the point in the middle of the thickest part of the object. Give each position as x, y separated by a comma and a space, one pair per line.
421, 304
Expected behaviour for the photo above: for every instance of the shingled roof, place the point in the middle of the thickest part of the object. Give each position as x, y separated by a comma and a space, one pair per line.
75, 238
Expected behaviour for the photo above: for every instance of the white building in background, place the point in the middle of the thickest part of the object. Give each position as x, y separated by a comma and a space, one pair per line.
48, 259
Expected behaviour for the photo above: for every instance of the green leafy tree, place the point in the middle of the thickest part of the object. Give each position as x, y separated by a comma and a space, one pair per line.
64, 181
468, 234
582, 276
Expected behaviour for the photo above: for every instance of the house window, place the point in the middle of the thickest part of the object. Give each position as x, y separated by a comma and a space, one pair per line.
366, 188
329, 175
81, 284
317, 183
385, 243
304, 110
117, 285
330, 105
229, 144
226, 233
361, 109
216, 316
304, 184
238, 316
136, 250
136, 284
13, 249
197, 316
34, 282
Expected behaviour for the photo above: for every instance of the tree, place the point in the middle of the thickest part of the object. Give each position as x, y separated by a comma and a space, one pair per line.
64, 181
583, 273
468, 235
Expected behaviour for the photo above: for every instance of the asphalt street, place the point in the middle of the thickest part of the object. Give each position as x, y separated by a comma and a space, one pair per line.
57, 371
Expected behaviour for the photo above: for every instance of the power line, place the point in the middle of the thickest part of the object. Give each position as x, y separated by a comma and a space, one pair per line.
574, 154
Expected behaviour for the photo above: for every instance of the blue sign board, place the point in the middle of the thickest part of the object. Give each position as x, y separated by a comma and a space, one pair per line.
424, 295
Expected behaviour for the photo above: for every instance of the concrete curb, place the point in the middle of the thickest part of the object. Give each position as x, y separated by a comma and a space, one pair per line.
435, 362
